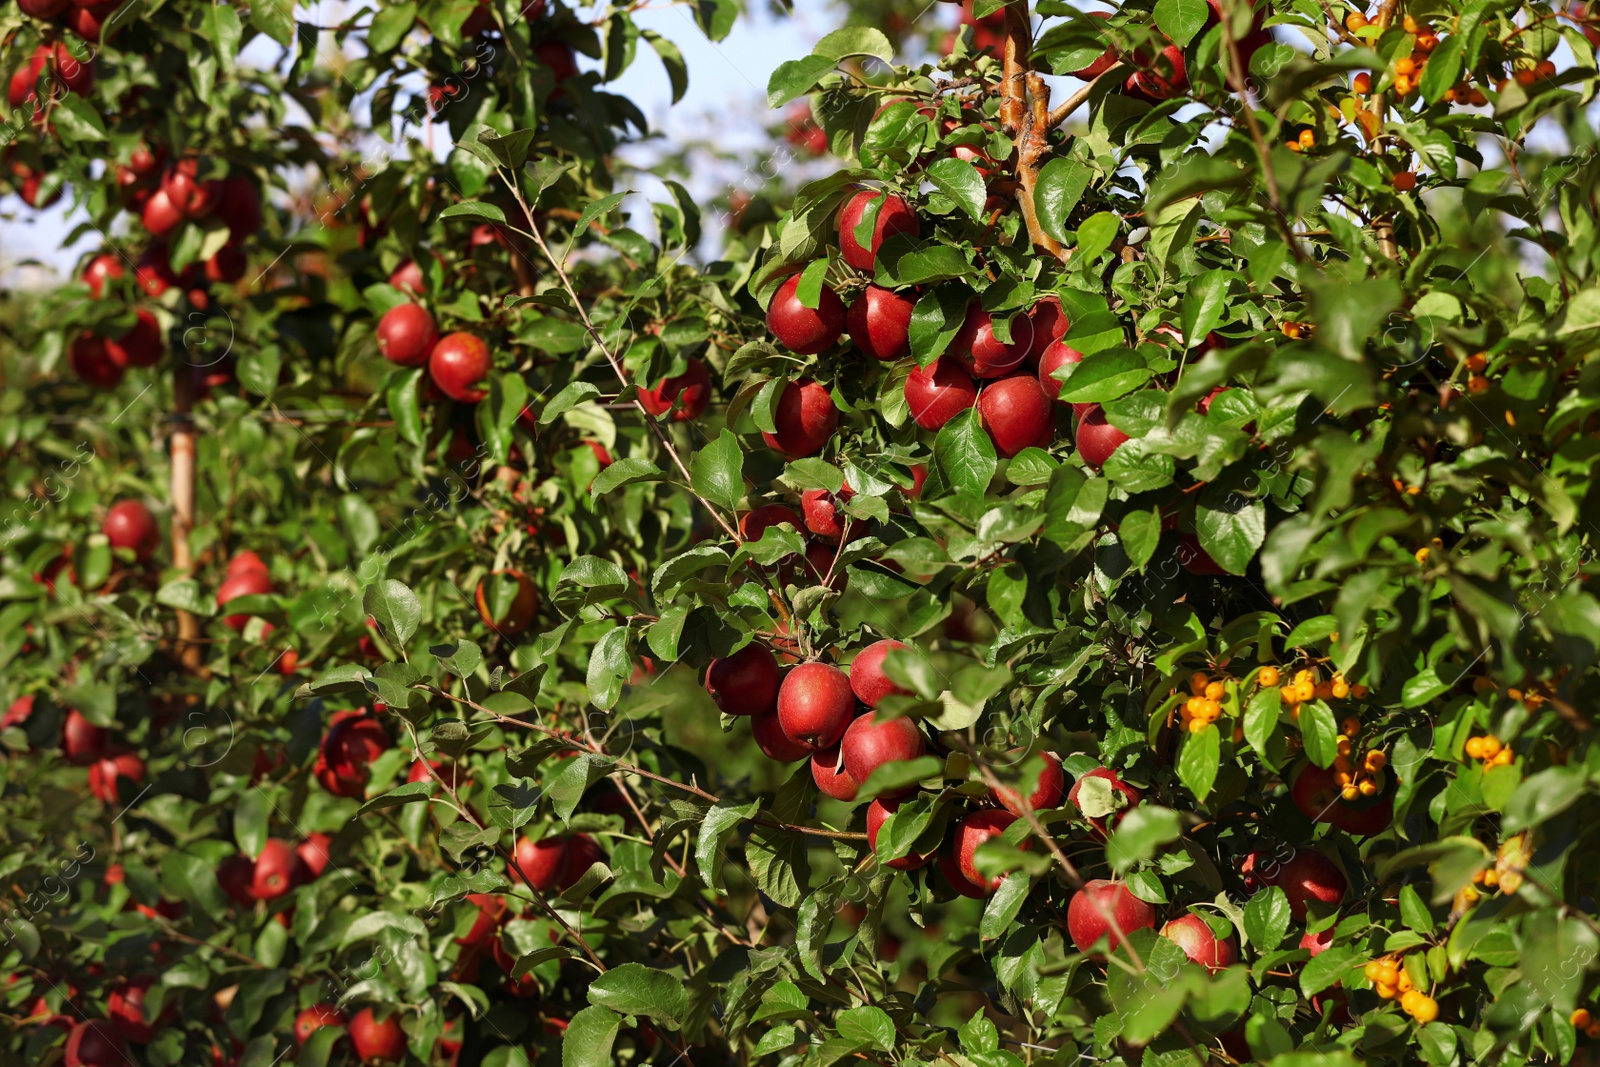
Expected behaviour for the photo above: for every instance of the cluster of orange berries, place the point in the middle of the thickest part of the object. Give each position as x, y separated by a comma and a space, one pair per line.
1584, 1020
1390, 980
1305, 687
1357, 779
1426, 551
1296, 331
1533, 701
1489, 749
1305, 142
1204, 705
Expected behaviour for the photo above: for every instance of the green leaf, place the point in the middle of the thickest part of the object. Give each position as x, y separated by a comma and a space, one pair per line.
869, 1026
1062, 183
1266, 918
1103, 376
1140, 532
855, 41
577, 775
672, 60
389, 27
780, 863
588, 1038
1199, 761
1231, 528
569, 398
609, 667
794, 78
395, 607
275, 19
965, 454
717, 471
961, 182
716, 830
634, 989
1261, 720
623, 472
473, 209
1328, 967
250, 821
1181, 19
1095, 235
409, 793
1319, 732
404, 405
1140, 834
1413, 912
1443, 69
598, 209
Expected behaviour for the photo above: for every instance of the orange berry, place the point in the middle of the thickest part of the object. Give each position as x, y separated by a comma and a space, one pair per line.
1355, 21
1544, 69
1350, 727
1501, 758
1490, 746
1427, 42
1305, 691
1350, 792
1405, 181
1197, 724
1340, 690
1359, 691
1198, 682
1368, 787
1376, 760
1425, 1009
1362, 83
1409, 24
1474, 747
1491, 877
1386, 990
1405, 65
1268, 677
1373, 969
1477, 384
1403, 85
1403, 981
1293, 146
1477, 363
1289, 694
1580, 1018
1308, 138
1478, 99
1525, 78
1592, 1030
1214, 690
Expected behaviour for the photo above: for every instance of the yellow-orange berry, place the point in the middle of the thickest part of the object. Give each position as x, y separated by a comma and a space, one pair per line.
1293, 146
1198, 682
1477, 363
1405, 181
1474, 747
1374, 969
1214, 690
1501, 758
1305, 691
1368, 787
1308, 138
1386, 990
1350, 792
1359, 691
1343, 746
1580, 1018
1405, 65
1340, 690
1362, 83
1403, 981
1477, 383
1423, 553
1409, 24
1355, 21
1491, 877
1197, 724
1427, 42
1350, 727
1490, 746
1268, 677
1592, 1030
1289, 694
1376, 760
1403, 84
1425, 1009
1194, 704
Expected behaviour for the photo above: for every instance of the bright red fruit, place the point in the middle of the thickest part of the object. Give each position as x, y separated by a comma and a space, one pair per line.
894, 216
43, 10
554, 863
278, 869
757, 521
141, 346
407, 335
160, 216
126, 1008
1093, 908
524, 605
1048, 794
867, 679
950, 867
973, 831
878, 813
805, 419
191, 196
245, 583
981, 353
880, 323
377, 1040
800, 329
91, 362
772, 741
1057, 355
234, 875
313, 853
457, 364
82, 742
1123, 797
101, 271
492, 911
939, 392
154, 273
1107, 60
1047, 324
1194, 935
692, 388
315, 1018
77, 75
129, 524
228, 265
352, 742
828, 771
815, 705
246, 561
823, 515
1317, 944
106, 772
1017, 414
559, 57
868, 745
407, 278
96, 1043
1096, 438
19, 711
1305, 876
745, 683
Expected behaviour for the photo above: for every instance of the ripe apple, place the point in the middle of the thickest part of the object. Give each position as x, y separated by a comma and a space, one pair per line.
805, 419
160, 216
1093, 909
96, 1043
377, 1040
315, 1018
756, 521
1017, 414
18, 713
745, 683
692, 388
819, 560
407, 335
868, 745
1056, 355
235, 875
77, 75
101, 271
815, 705
91, 362
492, 911
950, 867
43, 10
867, 679
129, 524
1096, 438
1159, 79
1194, 935
407, 278
141, 346
82, 742
559, 57
1306, 876
804, 330
352, 742
880, 323
24, 83
228, 265
524, 605
939, 392
1048, 794
981, 353
190, 195
972, 831
1122, 799
126, 1008
278, 869
894, 216
878, 813
246, 561
154, 273
773, 742
1317, 793
457, 364
1318, 943
107, 771
313, 853
245, 583
1107, 60
239, 207
1047, 323
832, 777
824, 518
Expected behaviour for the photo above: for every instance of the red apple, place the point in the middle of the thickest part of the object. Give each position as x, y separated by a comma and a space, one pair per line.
894, 216
91, 362
773, 742
130, 525
457, 364
524, 605
106, 772
1193, 934
1107, 60
805, 419
96, 1043
154, 274
101, 271
1048, 793
18, 713
1318, 943
159, 215
313, 853
880, 323
815, 705
235, 875
982, 354
757, 521
1017, 414
1106, 909
878, 813
315, 1018
377, 1040
278, 869
75, 74
1057, 355
1123, 798
228, 265
141, 346
492, 911
972, 831
692, 388
868, 745
867, 679
824, 518
1046, 324
82, 742
832, 778
1305, 876
745, 683
245, 583
1096, 438
1163, 78
407, 278
352, 742
559, 57
804, 330
939, 392
126, 1008
43, 10
950, 867
407, 335
191, 196
246, 561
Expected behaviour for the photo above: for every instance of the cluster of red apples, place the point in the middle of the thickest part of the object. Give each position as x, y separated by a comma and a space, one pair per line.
1011, 381
86, 745
408, 337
